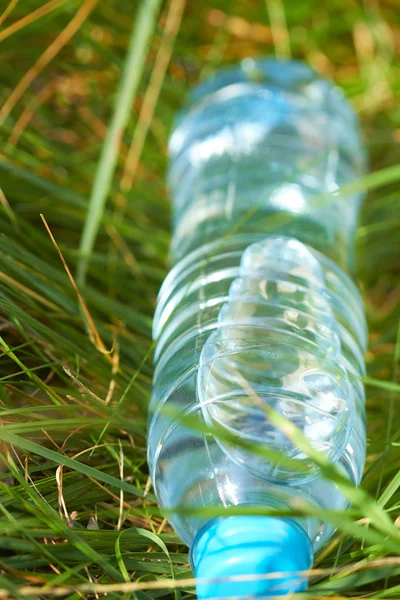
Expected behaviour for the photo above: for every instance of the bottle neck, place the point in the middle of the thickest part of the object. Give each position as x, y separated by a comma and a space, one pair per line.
253, 157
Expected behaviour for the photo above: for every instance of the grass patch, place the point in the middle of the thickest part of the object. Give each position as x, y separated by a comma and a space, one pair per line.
77, 513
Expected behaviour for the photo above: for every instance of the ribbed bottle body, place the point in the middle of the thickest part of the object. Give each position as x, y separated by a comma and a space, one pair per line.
263, 148
259, 313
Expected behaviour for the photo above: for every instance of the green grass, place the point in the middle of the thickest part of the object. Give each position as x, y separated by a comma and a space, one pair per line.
77, 512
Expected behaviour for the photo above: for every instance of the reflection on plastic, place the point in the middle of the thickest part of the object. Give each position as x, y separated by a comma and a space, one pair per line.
276, 346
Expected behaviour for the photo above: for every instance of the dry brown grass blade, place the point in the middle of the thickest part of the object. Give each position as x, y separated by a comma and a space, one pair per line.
4, 451
7, 208
33, 16
164, 584
61, 502
172, 25
81, 386
92, 330
7, 11
61, 40
114, 371
28, 291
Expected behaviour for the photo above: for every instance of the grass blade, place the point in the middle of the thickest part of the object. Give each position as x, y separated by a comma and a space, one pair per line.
132, 71
59, 459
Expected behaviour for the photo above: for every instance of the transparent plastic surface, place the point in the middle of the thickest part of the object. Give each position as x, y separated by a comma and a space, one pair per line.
276, 345
259, 310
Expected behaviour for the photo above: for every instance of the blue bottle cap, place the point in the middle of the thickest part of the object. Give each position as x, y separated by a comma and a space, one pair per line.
252, 547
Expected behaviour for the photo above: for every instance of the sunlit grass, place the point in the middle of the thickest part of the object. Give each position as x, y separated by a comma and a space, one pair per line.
77, 512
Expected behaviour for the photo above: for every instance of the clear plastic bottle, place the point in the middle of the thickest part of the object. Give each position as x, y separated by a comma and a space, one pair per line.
259, 310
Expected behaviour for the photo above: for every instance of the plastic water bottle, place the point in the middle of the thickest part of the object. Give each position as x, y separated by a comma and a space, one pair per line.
259, 312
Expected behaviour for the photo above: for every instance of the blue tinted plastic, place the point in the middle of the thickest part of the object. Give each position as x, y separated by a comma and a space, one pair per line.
259, 310
251, 556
